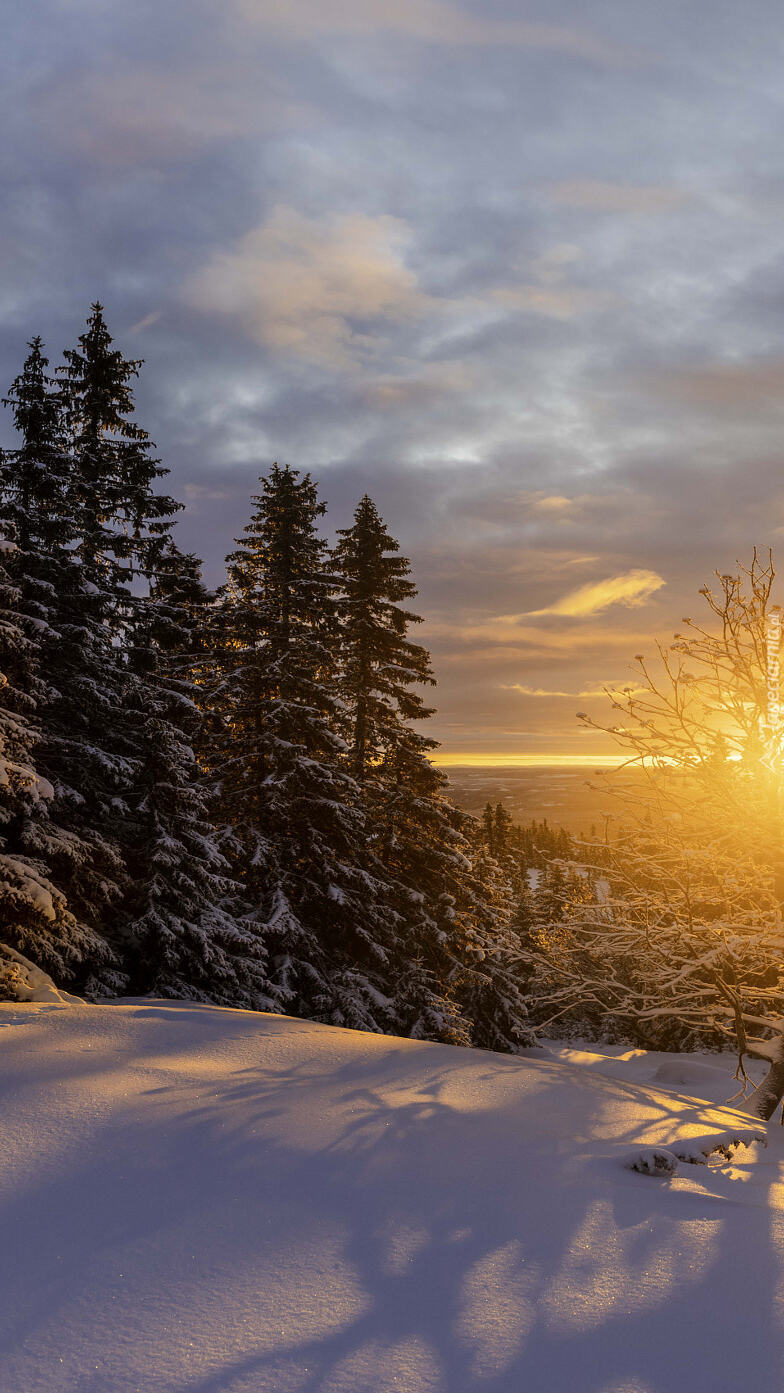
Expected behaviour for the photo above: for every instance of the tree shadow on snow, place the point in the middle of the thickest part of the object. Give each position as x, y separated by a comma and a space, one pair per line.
466, 1250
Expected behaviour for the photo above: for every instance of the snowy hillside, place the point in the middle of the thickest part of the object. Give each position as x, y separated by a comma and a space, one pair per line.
213, 1201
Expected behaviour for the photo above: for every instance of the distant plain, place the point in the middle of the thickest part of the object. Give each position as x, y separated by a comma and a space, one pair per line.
575, 798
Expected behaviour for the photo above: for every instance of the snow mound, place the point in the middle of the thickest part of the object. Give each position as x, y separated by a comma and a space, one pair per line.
21, 980
653, 1160
660, 1160
684, 1073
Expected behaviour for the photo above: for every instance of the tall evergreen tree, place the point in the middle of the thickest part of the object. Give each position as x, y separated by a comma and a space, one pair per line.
122, 526
78, 492
381, 667
34, 915
36, 475
293, 829
449, 948
42, 853
185, 929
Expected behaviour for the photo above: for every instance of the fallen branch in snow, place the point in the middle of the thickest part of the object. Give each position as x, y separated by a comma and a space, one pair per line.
663, 1160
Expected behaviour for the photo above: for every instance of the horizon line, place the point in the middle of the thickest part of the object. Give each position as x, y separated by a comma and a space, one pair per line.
529, 761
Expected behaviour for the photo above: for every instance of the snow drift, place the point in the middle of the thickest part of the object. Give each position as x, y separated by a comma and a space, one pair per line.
21, 980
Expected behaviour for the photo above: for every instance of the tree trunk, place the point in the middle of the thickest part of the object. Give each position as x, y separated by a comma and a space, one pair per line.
767, 1096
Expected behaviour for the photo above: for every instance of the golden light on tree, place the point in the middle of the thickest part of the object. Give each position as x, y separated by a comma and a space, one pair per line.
685, 932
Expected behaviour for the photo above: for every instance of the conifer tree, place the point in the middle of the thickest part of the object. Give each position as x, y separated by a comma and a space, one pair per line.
448, 924
502, 825
36, 475
292, 826
524, 914
185, 931
381, 667
34, 916
37, 643
122, 526
79, 493
552, 892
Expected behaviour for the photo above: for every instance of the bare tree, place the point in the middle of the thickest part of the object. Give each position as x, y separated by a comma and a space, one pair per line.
687, 934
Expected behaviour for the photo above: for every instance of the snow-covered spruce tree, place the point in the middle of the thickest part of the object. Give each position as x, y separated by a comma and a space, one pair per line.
34, 916
685, 941
119, 527
183, 928
292, 827
122, 526
79, 490
449, 948
37, 474
47, 855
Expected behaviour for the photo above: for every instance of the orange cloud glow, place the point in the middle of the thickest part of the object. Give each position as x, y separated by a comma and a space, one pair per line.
631, 589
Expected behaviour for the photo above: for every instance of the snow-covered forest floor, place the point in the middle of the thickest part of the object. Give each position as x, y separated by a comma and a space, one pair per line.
216, 1201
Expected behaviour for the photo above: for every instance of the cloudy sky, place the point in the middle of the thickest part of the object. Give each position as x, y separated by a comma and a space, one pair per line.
515, 269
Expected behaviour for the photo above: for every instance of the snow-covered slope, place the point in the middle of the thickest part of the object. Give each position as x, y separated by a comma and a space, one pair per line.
209, 1201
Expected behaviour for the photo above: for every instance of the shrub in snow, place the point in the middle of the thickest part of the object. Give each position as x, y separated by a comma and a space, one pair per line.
663, 1160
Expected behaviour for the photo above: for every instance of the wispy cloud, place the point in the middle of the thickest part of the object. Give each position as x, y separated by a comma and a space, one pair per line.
149, 113
422, 384
145, 323
631, 589
322, 290
756, 384
601, 196
533, 691
554, 301
430, 21
595, 691
552, 503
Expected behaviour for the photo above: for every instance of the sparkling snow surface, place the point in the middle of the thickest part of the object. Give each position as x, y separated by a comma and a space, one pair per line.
203, 1200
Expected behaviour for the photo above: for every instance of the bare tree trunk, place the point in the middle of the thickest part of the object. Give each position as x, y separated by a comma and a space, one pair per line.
767, 1096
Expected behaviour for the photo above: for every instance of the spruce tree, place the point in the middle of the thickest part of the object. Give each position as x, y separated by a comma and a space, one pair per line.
122, 526
34, 915
184, 931
43, 854
448, 949
78, 493
488, 827
381, 667
552, 893
36, 475
292, 826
